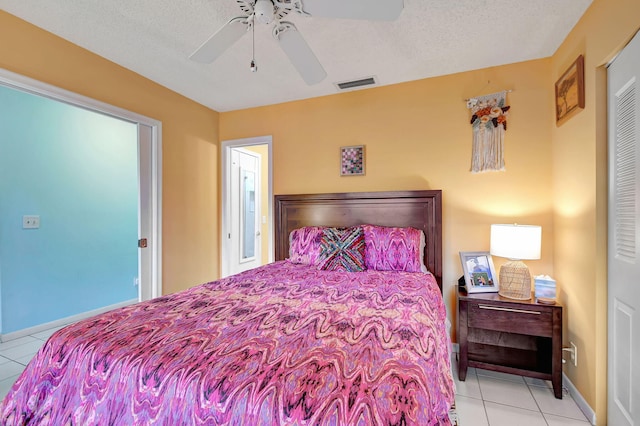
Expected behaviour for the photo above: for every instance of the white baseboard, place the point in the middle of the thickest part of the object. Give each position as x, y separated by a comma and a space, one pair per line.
63, 321
579, 399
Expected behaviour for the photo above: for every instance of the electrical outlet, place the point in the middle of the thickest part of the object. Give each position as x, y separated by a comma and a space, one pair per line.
574, 353
31, 222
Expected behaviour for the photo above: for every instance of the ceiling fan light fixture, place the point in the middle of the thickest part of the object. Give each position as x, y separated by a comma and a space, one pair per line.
291, 41
264, 11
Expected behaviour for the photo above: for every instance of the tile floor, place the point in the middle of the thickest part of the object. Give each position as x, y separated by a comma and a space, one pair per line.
16, 354
488, 398
485, 398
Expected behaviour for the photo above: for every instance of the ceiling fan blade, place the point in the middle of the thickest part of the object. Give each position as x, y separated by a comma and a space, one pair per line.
215, 46
380, 10
299, 53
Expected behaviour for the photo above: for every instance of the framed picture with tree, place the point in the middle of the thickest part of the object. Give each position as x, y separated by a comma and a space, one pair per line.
570, 91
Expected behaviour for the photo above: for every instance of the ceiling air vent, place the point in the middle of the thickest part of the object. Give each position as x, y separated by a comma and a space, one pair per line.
356, 84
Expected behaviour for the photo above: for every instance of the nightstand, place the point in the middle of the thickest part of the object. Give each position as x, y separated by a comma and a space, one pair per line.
512, 336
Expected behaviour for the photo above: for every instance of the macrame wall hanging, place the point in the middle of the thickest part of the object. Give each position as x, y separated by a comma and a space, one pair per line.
489, 122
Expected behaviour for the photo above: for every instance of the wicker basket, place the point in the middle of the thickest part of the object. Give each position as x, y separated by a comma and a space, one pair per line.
515, 280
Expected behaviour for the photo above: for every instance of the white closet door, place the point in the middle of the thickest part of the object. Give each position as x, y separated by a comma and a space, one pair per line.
624, 233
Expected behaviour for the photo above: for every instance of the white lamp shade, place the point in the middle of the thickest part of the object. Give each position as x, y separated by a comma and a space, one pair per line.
516, 241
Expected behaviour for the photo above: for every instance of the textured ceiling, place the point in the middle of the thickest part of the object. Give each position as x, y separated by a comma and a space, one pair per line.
432, 37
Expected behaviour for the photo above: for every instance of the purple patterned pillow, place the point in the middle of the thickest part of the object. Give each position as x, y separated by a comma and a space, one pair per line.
304, 245
342, 249
393, 249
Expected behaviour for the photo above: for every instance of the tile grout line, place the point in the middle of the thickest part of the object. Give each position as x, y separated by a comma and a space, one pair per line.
536, 401
484, 403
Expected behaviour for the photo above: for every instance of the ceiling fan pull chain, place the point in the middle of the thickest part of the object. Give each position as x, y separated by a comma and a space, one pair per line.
253, 66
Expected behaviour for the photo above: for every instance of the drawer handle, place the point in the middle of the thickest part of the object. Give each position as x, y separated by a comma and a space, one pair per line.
498, 308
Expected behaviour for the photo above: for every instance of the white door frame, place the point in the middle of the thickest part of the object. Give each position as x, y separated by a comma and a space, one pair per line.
151, 282
226, 194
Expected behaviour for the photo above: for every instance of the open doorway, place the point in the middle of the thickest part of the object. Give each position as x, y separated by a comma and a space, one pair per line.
247, 195
73, 222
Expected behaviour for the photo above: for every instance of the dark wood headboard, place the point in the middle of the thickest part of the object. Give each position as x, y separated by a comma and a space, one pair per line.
418, 209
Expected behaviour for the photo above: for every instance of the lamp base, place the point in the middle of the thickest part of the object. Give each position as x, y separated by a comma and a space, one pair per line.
515, 280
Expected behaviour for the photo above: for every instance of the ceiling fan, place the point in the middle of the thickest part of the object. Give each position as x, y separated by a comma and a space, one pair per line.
286, 33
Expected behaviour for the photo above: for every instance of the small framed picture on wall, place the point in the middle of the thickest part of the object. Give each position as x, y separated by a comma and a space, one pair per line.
570, 91
479, 272
352, 160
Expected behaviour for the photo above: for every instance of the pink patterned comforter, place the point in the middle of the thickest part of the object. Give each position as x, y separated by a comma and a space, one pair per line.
284, 344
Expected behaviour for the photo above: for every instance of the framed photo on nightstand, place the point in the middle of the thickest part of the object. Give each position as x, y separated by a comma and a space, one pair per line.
479, 272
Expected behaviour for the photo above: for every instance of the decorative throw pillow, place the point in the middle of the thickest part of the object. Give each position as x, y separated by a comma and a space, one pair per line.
394, 249
304, 245
342, 249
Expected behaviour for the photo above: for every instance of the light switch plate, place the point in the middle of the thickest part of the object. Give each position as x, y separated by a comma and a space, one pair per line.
30, 222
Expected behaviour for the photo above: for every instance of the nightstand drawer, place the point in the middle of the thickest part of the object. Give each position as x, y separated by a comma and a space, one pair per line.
511, 319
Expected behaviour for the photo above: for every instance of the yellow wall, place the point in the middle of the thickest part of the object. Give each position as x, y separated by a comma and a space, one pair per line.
418, 136
580, 194
189, 138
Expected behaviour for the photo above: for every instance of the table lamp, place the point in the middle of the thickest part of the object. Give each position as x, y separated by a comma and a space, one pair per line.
516, 243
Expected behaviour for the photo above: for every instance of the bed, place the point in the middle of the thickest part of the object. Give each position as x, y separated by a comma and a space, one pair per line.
289, 343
